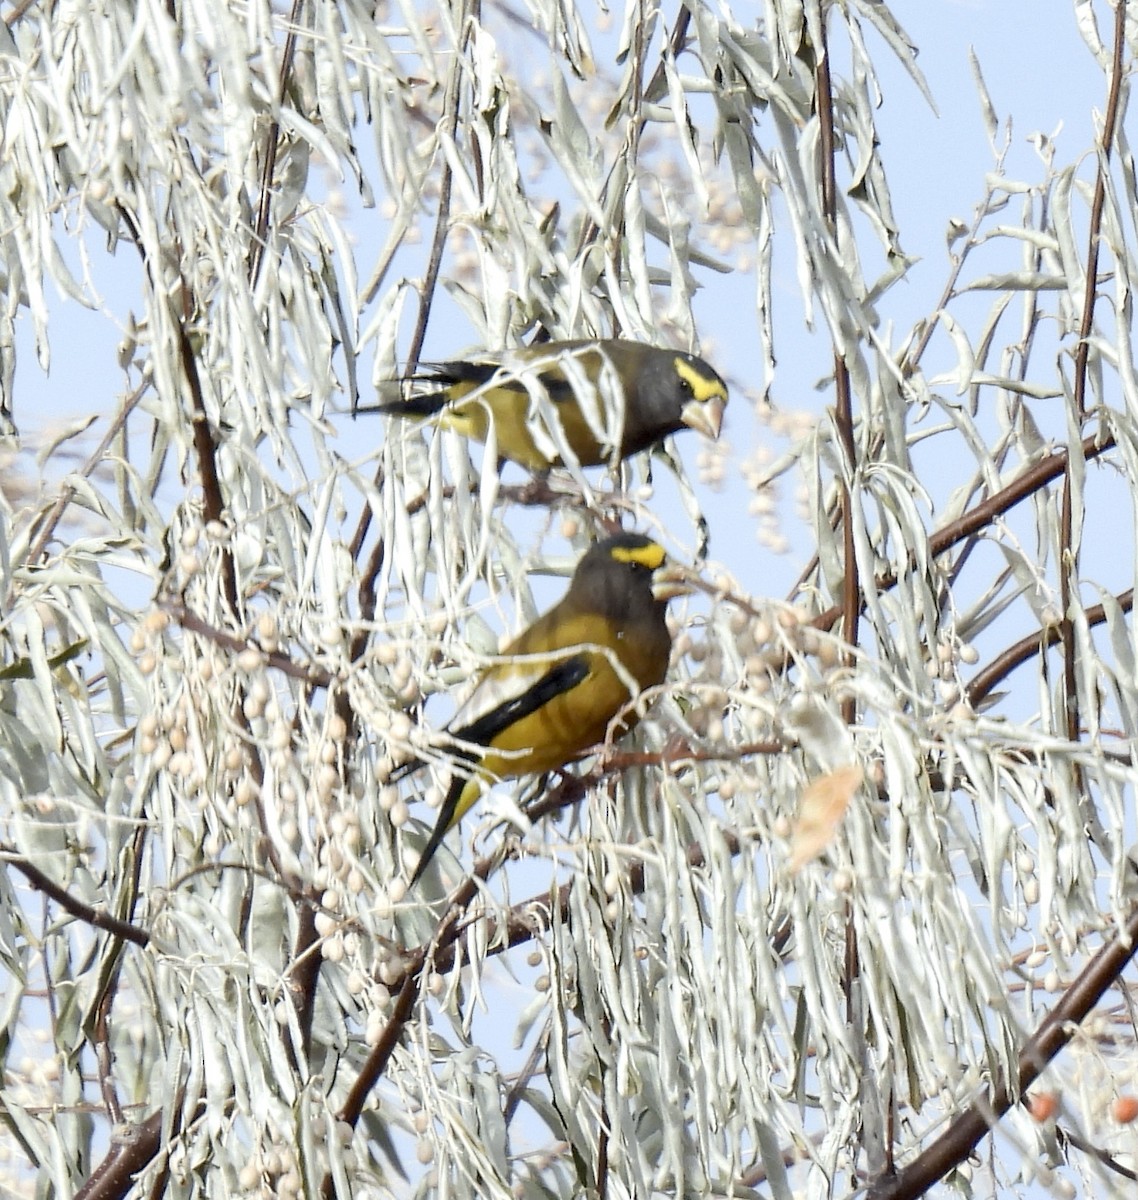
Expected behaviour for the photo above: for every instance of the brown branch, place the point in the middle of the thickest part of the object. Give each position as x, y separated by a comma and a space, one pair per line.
1113, 105
205, 447
376, 1062
1067, 1137
307, 673
1026, 484
438, 248
104, 1056
304, 974
677, 752
529, 918
1052, 1035
122, 930
528, 1071
98, 456
603, 1122
1068, 556
110, 975
1003, 665
133, 1148
272, 138
852, 602
844, 422
1068, 568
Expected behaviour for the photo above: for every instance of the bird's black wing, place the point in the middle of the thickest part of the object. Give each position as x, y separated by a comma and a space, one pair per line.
428, 389
563, 675
558, 679
476, 372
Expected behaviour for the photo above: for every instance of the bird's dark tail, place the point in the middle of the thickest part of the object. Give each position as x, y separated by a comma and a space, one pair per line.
429, 389
444, 822
416, 404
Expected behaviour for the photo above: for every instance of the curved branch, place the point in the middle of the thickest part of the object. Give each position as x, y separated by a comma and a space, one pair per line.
272, 138
132, 1150
122, 930
1055, 1031
1025, 484
1017, 654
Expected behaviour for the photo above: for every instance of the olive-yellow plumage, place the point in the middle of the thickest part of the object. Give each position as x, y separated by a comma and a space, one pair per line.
555, 690
656, 391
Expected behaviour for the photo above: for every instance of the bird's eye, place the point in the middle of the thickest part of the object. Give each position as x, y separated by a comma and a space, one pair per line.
685, 385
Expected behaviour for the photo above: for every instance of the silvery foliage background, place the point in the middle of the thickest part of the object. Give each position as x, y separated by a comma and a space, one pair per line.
691, 1030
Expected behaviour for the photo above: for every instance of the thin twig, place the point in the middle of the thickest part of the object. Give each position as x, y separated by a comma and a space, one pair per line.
272, 139
1035, 643
1068, 555
844, 424
1096, 1152
1026, 484
451, 102
205, 447
95, 459
308, 673
123, 930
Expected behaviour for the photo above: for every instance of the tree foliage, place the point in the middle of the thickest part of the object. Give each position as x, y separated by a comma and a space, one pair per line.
861, 877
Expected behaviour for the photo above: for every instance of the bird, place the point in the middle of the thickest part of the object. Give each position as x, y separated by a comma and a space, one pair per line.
554, 690
658, 392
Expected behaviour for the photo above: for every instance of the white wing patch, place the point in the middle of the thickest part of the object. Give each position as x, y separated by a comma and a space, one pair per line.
502, 687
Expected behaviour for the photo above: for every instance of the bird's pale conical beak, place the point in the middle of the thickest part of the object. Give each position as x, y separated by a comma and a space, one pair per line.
669, 581
705, 416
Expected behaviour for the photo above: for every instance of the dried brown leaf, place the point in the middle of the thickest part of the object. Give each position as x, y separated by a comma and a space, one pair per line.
824, 804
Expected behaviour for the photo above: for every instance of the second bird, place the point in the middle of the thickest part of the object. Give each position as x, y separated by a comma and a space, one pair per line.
555, 689
660, 392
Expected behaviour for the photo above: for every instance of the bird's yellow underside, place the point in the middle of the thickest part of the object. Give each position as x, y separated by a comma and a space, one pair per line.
538, 742
473, 419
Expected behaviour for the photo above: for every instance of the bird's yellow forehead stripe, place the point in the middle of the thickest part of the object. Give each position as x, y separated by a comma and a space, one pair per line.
650, 556
703, 387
